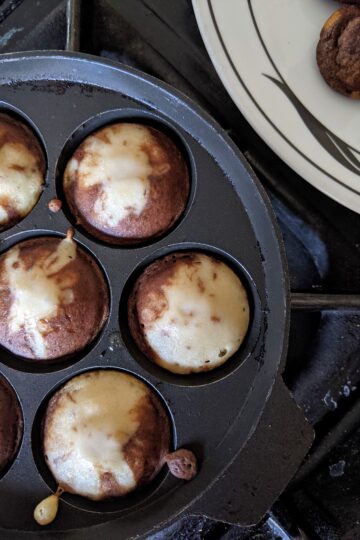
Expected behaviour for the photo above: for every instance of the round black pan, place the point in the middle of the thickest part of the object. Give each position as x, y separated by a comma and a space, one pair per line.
240, 420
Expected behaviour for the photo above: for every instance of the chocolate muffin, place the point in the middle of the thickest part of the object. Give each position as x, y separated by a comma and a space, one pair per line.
22, 171
105, 433
53, 298
338, 51
126, 183
11, 424
188, 312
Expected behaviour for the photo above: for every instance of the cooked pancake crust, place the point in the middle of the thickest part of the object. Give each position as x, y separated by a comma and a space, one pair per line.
188, 312
105, 434
11, 424
22, 170
53, 298
338, 51
126, 183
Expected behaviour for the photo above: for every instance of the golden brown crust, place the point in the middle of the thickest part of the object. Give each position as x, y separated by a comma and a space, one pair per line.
15, 131
110, 487
75, 324
338, 51
147, 448
154, 277
11, 424
169, 190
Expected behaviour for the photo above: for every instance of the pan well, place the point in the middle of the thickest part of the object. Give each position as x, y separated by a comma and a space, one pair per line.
137, 151
23, 167
112, 504
55, 301
247, 345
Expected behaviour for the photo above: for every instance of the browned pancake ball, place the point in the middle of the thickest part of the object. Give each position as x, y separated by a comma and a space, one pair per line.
188, 312
338, 51
105, 434
11, 424
126, 183
22, 170
53, 298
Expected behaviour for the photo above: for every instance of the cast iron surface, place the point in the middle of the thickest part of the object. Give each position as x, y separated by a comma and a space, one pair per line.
64, 97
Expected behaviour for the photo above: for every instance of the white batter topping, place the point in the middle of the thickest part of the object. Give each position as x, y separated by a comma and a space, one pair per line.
19, 188
38, 292
120, 167
205, 319
92, 423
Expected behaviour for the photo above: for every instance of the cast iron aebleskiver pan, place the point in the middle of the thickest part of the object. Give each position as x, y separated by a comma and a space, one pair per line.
240, 420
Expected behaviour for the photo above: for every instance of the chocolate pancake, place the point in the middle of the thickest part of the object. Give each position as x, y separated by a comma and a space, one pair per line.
188, 312
126, 183
105, 434
338, 51
11, 424
53, 298
22, 171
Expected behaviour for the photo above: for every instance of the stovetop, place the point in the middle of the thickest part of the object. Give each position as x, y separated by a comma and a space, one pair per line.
322, 241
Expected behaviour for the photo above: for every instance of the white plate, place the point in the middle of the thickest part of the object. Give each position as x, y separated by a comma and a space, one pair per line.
264, 53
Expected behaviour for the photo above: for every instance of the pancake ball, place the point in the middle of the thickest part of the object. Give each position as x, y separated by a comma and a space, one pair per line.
188, 312
126, 183
105, 433
22, 171
338, 51
11, 425
53, 298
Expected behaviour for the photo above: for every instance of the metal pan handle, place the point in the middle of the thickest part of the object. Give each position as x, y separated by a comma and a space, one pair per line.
264, 467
